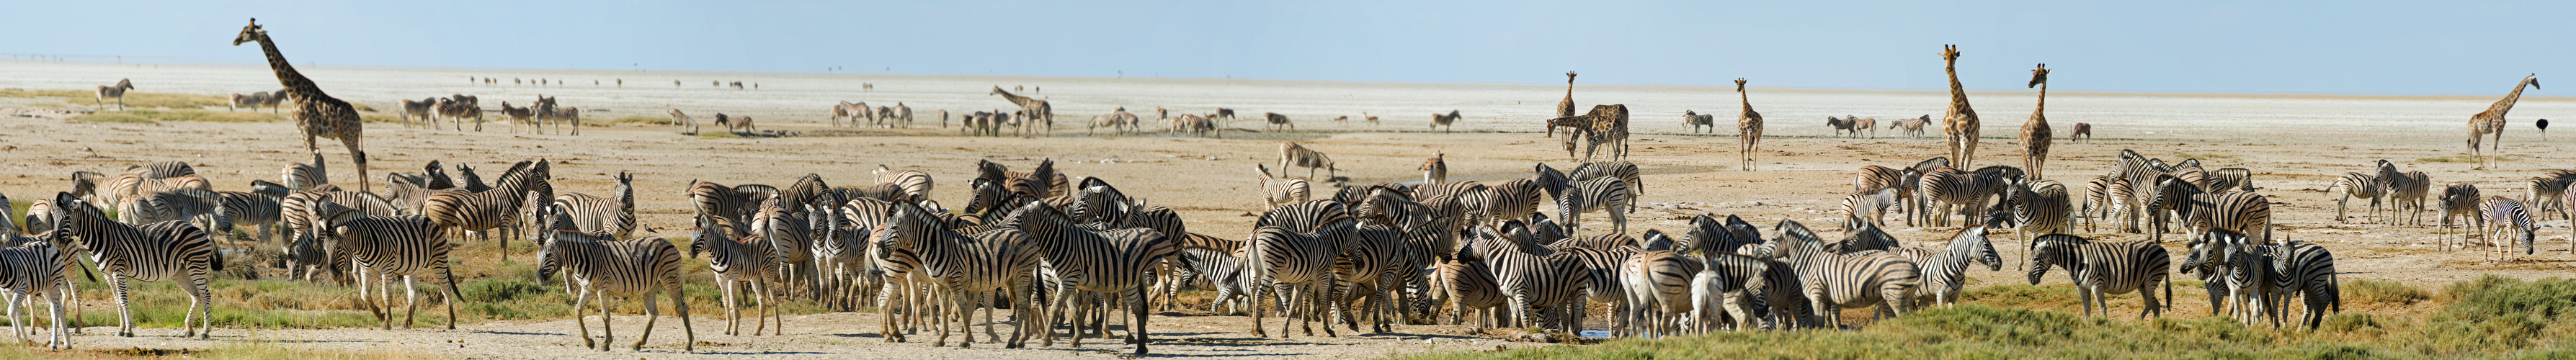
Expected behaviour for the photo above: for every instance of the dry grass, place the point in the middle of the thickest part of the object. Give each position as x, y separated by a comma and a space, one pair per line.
133, 99
646, 120
154, 116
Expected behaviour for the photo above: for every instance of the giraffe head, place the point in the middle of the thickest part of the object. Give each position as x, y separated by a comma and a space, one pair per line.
250, 33
1569, 77
1950, 53
1739, 84
997, 90
2534, 79
2039, 76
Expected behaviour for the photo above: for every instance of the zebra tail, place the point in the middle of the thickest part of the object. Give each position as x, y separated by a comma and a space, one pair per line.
85, 270
218, 261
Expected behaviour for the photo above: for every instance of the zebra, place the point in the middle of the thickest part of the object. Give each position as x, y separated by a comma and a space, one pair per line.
2356, 185
1278, 191
2545, 191
2461, 200
2308, 271
1539, 282
380, 248
967, 268
2246, 274
155, 252
790, 239
1111, 262
115, 91
1608, 194
2231, 180
1215, 261
297, 212
1941, 189
841, 231
601, 266
1378, 260
1276, 121
2100, 269
2506, 214
1468, 285
1755, 288
613, 216
1945, 272
736, 257
457, 212
2406, 190
37, 268
1836, 281
1293, 156
1698, 121
1513, 199
2037, 208
710, 198
1658, 289
1868, 207
251, 100
1438, 120
679, 119
2239, 212
1621, 169
1293, 248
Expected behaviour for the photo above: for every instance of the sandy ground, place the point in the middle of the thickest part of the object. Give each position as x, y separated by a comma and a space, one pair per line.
2294, 146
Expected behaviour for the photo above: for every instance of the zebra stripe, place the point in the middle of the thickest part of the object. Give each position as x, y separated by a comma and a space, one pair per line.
1293, 248
2308, 271
1468, 285
612, 216
968, 268
457, 212
37, 269
1608, 194
737, 257
381, 247
1622, 169
1278, 191
1537, 280
1658, 290
2506, 214
1514, 199
1946, 272
1111, 262
163, 251
2406, 191
1941, 189
1758, 288
1379, 262
2460, 200
305, 176
2100, 269
1293, 156
2039, 208
601, 266
1860, 279
914, 182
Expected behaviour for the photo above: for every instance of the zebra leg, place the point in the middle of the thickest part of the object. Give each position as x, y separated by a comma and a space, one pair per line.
886, 307
652, 312
59, 335
411, 299
582, 298
17, 300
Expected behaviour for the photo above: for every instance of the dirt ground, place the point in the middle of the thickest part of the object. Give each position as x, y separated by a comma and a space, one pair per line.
1802, 176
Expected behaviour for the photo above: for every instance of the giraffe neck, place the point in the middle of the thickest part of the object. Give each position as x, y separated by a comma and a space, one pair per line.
296, 84
1958, 95
2502, 106
2043, 101
1748, 99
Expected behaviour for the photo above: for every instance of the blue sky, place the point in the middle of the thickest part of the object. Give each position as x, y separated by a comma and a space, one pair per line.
2160, 46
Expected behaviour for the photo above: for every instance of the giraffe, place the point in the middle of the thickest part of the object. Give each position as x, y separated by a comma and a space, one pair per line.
1960, 122
1038, 110
1748, 126
1565, 108
2035, 134
2492, 120
318, 114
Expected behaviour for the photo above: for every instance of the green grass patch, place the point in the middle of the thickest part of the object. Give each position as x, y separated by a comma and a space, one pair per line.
2491, 317
155, 116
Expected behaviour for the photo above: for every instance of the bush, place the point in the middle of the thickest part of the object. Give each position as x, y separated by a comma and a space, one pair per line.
2367, 292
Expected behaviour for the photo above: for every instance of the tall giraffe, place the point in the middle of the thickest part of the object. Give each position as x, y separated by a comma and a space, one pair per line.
1038, 110
316, 113
2492, 120
1748, 126
2035, 134
1960, 122
1565, 109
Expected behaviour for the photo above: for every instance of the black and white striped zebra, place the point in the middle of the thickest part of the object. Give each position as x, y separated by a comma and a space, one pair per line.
1541, 283
1758, 293
599, 266
258, 209
1508, 200
2243, 276
1277, 191
2461, 200
382, 247
2100, 269
1111, 262
2241, 212
1622, 169
840, 249
500, 208
1379, 262
1836, 281
1607, 194
2406, 191
968, 269
2505, 215
1468, 286
736, 257
2036, 208
790, 238
1658, 290
305, 176
2231, 180
37, 269
2308, 271
163, 251
1293, 249
1945, 272
1940, 189
914, 182
612, 215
